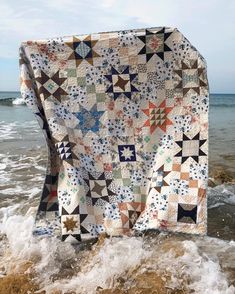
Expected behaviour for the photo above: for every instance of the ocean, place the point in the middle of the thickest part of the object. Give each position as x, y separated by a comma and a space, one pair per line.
154, 263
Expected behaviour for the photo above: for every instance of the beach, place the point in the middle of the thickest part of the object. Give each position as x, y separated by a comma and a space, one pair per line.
153, 263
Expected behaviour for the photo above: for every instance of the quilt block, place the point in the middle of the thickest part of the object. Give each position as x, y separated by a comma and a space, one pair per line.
125, 118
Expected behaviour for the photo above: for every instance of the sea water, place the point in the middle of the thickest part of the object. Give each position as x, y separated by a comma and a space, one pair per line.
154, 263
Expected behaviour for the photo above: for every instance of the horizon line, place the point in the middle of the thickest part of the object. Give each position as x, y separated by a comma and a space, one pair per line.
209, 93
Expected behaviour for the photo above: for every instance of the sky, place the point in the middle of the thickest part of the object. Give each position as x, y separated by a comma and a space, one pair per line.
208, 24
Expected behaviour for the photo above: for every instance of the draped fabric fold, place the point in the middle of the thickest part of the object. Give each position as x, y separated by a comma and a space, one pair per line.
125, 118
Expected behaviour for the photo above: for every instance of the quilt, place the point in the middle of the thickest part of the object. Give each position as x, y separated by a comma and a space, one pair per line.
125, 118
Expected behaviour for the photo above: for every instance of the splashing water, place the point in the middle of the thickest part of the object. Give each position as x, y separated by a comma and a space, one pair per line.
153, 263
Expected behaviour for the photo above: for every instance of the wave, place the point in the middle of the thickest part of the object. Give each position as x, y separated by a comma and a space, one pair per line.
222, 104
221, 195
164, 263
10, 101
222, 100
18, 101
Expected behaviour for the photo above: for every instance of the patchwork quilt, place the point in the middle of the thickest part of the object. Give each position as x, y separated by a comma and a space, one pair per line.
125, 117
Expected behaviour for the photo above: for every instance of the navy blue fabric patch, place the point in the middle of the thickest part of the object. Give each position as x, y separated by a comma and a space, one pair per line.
127, 152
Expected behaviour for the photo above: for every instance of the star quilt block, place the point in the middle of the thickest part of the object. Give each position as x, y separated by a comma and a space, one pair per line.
125, 118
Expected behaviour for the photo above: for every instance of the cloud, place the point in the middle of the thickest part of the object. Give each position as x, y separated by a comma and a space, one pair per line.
108, 3
28, 19
25, 20
209, 25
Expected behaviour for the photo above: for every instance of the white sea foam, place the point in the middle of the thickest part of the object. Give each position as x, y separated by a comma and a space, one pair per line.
118, 256
26, 247
205, 272
198, 267
4, 178
16, 190
2, 166
7, 130
34, 191
114, 258
221, 195
15, 129
6, 212
18, 101
231, 199
15, 173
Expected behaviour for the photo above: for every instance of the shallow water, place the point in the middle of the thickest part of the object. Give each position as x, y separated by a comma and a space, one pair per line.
153, 263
